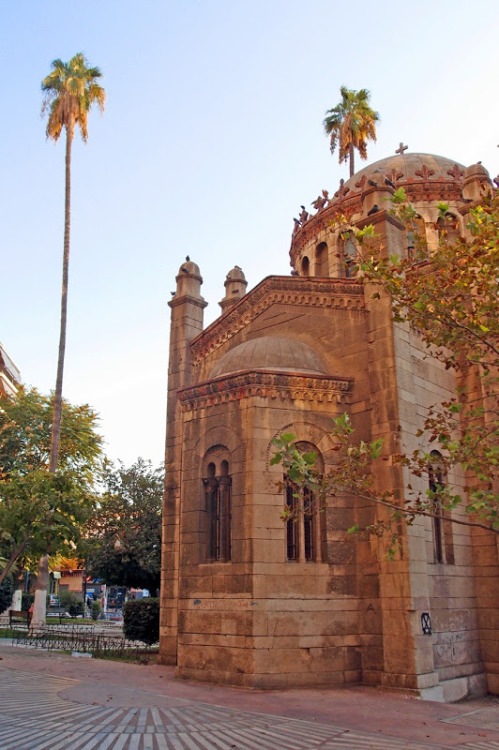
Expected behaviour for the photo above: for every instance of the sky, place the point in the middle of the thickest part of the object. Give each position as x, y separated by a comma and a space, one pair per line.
210, 141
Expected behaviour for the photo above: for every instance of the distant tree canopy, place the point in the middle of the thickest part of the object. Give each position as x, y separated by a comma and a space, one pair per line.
123, 545
40, 509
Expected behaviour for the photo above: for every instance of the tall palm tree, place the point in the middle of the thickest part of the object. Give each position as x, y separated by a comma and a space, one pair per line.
351, 124
70, 90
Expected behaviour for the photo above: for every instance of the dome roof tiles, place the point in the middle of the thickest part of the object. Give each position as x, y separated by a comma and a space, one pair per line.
405, 168
276, 353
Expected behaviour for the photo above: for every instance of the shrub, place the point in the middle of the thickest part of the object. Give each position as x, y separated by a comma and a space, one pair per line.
141, 620
95, 609
6, 591
71, 603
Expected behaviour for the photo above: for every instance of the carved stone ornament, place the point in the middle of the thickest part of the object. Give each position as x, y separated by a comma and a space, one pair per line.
456, 173
268, 385
425, 173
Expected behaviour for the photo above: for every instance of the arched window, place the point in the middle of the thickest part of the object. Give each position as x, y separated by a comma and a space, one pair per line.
443, 543
448, 227
305, 266
350, 257
305, 528
416, 237
217, 484
321, 260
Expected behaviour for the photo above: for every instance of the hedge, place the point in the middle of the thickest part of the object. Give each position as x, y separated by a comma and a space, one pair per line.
141, 620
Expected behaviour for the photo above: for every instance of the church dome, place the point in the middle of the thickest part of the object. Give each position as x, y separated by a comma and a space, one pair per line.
404, 169
275, 353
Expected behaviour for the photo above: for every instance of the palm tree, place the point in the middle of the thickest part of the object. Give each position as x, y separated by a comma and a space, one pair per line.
351, 124
70, 90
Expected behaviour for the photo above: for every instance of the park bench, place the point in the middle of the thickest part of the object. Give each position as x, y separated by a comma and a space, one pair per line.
18, 617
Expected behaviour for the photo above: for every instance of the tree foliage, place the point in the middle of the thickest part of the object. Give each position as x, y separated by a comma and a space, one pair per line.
350, 125
40, 509
70, 90
6, 593
450, 299
124, 538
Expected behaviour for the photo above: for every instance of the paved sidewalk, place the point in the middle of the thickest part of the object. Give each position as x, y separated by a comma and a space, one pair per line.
59, 702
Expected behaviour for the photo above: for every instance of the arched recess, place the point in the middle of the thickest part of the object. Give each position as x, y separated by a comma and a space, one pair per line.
306, 539
448, 227
212, 488
217, 482
308, 432
349, 256
305, 266
219, 435
322, 260
305, 534
443, 541
416, 237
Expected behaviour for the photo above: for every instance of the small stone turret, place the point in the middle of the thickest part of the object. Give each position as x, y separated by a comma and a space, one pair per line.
235, 288
476, 180
188, 280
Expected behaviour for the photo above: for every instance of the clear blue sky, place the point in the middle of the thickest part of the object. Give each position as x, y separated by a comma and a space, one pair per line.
210, 141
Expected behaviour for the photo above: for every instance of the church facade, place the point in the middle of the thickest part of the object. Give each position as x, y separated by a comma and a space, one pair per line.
251, 600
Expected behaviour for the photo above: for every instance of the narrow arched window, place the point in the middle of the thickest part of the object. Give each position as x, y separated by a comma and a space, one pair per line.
443, 543
305, 527
350, 257
448, 227
217, 488
305, 266
416, 238
321, 260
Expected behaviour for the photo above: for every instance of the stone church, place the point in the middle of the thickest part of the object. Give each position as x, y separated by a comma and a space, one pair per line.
251, 600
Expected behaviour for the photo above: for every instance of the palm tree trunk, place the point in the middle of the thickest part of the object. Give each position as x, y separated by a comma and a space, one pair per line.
56, 418
351, 160
40, 607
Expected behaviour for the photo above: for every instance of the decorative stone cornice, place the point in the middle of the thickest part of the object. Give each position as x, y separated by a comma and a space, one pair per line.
266, 384
288, 290
347, 202
187, 299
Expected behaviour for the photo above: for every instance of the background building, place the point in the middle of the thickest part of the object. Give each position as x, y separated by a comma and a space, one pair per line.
10, 376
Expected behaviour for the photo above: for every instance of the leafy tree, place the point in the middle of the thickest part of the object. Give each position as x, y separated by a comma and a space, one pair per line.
351, 124
69, 90
124, 536
41, 510
450, 298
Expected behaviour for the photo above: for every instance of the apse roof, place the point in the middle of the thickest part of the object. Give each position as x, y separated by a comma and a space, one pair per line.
276, 353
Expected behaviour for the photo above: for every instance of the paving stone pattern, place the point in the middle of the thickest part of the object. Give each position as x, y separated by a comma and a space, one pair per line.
35, 715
